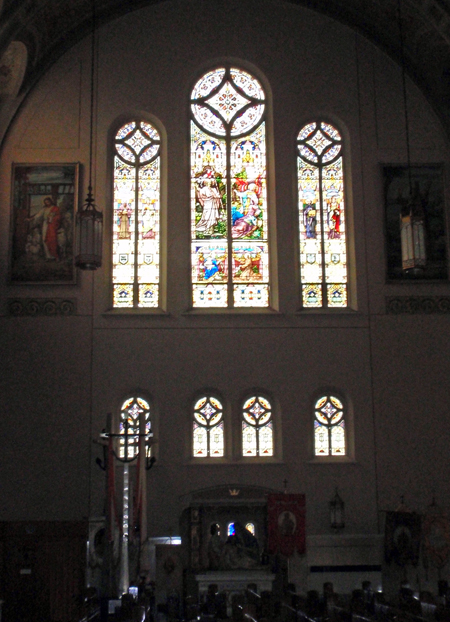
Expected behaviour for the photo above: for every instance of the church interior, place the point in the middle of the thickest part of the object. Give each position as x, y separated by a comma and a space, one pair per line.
225, 310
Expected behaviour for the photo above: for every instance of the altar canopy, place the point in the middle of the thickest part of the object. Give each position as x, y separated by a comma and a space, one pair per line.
286, 523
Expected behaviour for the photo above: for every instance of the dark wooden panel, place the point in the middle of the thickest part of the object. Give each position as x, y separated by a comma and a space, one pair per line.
42, 568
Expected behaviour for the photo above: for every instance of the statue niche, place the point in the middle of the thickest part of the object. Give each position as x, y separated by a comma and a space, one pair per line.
239, 551
212, 514
232, 563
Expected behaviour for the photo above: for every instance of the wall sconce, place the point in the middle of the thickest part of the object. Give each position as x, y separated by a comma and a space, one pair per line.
337, 512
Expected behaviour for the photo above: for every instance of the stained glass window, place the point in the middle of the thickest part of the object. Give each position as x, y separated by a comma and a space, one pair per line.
322, 222
329, 427
208, 429
229, 222
257, 427
251, 528
134, 420
136, 220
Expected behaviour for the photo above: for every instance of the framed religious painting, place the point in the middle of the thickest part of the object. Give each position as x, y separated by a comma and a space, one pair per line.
44, 200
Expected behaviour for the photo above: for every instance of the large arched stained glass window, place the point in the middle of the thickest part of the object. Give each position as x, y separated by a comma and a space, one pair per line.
136, 222
323, 254
134, 421
230, 254
329, 427
257, 427
208, 429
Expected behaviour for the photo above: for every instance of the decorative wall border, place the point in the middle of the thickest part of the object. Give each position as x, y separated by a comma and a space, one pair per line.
34, 307
417, 304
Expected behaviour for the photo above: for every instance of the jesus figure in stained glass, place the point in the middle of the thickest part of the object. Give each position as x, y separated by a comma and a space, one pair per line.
228, 196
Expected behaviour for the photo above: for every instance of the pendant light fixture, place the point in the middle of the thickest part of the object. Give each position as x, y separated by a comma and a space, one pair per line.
412, 227
89, 219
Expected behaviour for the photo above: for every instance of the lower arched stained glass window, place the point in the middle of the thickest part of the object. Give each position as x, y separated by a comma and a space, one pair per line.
322, 222
136, 220
257, 427
329, 427
251, 528
208, 429
134, 421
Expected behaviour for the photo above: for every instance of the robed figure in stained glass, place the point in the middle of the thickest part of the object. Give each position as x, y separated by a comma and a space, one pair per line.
208, 196
136, 225
246, 222
334, 211
310, 219
323, 248
229, 222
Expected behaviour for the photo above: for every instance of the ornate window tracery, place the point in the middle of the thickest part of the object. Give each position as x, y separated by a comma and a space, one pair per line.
329, 427
229, 220
208, 428
134, 420
322, 221
136, 220
257, 427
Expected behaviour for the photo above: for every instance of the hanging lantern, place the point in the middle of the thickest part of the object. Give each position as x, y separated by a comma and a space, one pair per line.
412, 235
89, 219
89, 235
337, 512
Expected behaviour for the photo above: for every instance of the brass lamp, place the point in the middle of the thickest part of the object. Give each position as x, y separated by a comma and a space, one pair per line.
412, 235
89, 219
412, 223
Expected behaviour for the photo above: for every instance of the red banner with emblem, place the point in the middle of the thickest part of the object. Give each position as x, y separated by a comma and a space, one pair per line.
286, 523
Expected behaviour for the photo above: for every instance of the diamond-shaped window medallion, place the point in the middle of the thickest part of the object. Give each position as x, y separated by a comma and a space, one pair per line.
319, 142
208, 410
227, 101
328, 410
138, 141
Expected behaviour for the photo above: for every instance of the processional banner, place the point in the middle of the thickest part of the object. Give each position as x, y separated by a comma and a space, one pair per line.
402, 538
286, 518
436, 539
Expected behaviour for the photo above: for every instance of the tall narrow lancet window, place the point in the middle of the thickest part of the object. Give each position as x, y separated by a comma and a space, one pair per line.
134, 420
323, 253
229, 234
136, 221
257, 427
208, 428
329, 427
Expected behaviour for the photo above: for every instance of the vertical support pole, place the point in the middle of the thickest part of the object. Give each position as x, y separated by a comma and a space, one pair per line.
124, 565
142, 479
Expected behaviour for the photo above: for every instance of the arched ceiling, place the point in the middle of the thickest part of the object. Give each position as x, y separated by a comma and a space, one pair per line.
49, 27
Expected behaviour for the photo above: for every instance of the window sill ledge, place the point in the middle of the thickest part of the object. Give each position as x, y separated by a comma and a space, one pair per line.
332, 460
327, 311
135, 312
232, 461
234, 311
